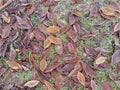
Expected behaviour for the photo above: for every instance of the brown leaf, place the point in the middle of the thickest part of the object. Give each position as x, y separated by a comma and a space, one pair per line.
82, 7
47, 43
53, 29
49, 85
100, 60
31, 83
72, 35
6, 18
59, 48
54, 40
106, 86
93, 85
6, 31
39, 36
117, 27
14, 65
44, 87
12, 53
76, 12
115, 57
43, 64
108, 11
81, 78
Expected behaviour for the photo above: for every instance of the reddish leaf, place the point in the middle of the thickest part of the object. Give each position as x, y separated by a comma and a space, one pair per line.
89, 50
106, 86
88, 36
72, 35
38, 35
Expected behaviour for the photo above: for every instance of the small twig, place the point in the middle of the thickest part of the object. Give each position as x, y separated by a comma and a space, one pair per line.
6, 4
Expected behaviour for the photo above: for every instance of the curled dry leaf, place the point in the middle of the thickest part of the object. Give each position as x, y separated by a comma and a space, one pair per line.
100, 60
53, 29
49, 85
108, 11
81, 78
31, 83
6, 18
14, 65
47, 43
43, 64
54, 39
117, 27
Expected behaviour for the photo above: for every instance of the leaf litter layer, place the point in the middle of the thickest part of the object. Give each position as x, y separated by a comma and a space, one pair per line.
59, 44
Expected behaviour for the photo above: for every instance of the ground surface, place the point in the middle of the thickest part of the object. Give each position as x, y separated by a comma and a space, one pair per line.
60, 45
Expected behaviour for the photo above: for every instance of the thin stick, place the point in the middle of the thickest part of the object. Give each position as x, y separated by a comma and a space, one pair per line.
6, 4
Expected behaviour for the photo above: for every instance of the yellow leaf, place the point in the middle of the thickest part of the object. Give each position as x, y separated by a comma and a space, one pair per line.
100, 60
49, 85
108, 11
55, 40
14, 65
47, 43
43, 64
81, 78
53, 29
6, 18
32, 83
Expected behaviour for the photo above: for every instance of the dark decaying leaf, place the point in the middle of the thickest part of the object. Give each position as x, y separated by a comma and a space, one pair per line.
115, 57
90, 50
106, 86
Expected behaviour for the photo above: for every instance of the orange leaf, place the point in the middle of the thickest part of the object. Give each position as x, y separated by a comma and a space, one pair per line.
43, 64
47, 43
49, 85
108, 11
81, 78
54, 40
32, 83
14, 65
100, 60
53, 29
6, 18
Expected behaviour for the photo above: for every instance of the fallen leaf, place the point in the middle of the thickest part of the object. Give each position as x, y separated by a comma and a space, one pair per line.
53, 29
72, 35
44, 87
116, 27
108, 11
6, 31
14, 65
117, 83
43, 64
100, 60
59, 48
47, 43
93, 85
115, 57
6, 18
49, 85
31, 83
12, 53
82, 7
106, 86
1, 3
54, 40
81, 78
